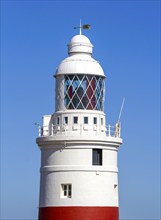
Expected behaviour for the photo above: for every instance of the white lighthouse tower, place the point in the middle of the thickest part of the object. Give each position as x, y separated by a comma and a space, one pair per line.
79, 174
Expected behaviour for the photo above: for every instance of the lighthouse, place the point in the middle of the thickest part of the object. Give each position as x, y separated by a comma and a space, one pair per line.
79, 172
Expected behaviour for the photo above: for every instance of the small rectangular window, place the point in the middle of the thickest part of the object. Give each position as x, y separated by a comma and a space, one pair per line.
101, 121
66, 190
66, 120
94, 120
97, 157
75, 120
57, 120
85, 120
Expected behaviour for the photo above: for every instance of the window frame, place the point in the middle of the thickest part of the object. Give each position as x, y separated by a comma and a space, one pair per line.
85, 120
95, 120
65, 120
75, 122
97, 157
66, 190
58, 120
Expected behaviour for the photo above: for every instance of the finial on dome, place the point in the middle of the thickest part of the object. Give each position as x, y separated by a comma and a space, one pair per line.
84, 26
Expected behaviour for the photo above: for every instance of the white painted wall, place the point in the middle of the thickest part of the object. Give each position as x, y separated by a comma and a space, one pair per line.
89, 188
91, 185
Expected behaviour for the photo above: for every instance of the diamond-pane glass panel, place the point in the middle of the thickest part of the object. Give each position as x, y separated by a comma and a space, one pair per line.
83, 92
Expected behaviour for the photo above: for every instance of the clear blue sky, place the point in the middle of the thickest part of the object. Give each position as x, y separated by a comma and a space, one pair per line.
126, 38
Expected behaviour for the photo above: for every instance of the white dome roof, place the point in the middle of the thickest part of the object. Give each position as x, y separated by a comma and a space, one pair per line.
80, 38
80, 60
79, 64
80, 44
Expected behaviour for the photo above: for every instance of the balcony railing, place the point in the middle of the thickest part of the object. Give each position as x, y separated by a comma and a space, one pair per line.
55, 130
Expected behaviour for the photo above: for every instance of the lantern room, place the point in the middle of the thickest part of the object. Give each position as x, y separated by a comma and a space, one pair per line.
80, 78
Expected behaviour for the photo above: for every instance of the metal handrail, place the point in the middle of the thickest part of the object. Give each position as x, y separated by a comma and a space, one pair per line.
52, 130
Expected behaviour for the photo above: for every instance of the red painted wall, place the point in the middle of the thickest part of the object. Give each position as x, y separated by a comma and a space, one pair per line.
79, 213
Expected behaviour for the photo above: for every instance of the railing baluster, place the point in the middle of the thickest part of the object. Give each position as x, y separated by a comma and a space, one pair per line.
109, 130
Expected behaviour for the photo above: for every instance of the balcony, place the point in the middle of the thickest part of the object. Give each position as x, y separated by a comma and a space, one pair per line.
79, 129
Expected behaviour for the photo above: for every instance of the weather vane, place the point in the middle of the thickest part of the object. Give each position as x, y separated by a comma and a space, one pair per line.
84, 26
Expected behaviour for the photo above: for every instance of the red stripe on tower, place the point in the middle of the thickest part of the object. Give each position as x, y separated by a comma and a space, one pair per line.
79, 213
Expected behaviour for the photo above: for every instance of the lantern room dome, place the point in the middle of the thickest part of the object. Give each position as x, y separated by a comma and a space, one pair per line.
80, 38
79, 64
80, 60
79, 44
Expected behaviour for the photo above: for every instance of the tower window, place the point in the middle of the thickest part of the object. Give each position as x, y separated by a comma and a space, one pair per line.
94, 120
85, 120
65, 120
97, 157
101, 121
57, 120
66, 190
75, 120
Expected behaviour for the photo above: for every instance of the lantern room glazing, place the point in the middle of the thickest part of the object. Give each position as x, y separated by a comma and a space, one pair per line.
83, 92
